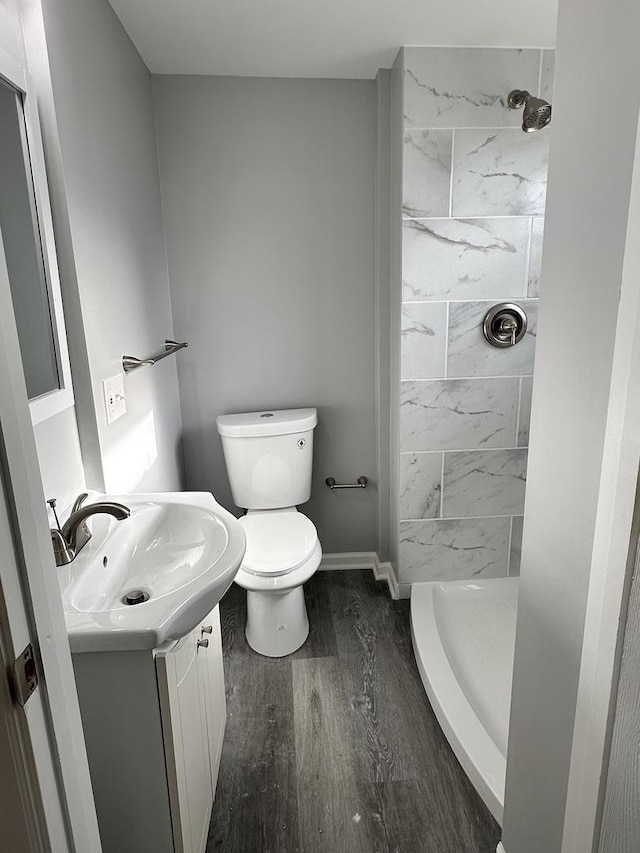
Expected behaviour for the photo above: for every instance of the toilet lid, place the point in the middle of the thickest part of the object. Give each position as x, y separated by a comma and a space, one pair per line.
277, 541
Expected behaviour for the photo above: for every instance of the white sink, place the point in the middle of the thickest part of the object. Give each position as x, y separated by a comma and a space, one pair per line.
181, 549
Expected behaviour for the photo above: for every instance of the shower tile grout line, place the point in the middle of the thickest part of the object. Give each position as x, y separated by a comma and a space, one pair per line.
490, 299
441, 486
470, 376
461, 450
471, 216
509, 547
462, 517
453, 146
540, 71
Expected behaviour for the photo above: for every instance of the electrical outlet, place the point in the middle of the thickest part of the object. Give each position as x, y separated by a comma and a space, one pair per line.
115, 400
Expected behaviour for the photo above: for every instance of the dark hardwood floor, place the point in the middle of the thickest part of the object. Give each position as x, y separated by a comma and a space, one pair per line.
335, 748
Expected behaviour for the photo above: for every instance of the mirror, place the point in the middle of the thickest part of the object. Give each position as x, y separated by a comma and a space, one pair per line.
23, 253
27, 239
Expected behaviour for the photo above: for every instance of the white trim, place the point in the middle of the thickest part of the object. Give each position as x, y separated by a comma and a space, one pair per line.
21, 778
500, 848
344, 561
383, 179
612, 561
56, 401
386, 571
54, 716
350, 560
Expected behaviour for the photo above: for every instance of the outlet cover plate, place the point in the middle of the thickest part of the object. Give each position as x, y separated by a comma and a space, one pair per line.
115, 400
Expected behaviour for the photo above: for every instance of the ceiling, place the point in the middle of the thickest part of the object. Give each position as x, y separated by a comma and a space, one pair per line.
320, 38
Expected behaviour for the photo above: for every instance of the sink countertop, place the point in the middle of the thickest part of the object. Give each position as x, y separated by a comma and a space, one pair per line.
181, 548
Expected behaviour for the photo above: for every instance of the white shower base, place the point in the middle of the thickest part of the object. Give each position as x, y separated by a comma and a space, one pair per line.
463, 639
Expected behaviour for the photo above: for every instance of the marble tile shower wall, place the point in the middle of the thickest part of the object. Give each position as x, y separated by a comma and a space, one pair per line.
473, 205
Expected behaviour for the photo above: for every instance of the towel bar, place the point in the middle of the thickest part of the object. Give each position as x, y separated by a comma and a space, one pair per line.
130, 362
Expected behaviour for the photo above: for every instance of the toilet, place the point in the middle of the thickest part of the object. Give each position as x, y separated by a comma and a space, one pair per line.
269, 457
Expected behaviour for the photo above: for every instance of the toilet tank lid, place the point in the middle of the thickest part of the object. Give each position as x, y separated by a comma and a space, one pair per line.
267, 422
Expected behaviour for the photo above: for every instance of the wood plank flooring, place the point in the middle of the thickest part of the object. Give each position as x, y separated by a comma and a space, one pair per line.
335, 748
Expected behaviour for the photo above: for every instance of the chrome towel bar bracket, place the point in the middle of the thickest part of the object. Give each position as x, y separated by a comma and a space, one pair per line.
360, 484
130, 362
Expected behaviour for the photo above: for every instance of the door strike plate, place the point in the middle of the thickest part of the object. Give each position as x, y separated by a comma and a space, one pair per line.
24, 677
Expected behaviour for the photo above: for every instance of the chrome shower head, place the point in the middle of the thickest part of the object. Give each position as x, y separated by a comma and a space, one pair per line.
536, 113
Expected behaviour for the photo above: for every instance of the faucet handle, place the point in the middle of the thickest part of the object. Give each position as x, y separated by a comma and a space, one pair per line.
79, 501
83, 534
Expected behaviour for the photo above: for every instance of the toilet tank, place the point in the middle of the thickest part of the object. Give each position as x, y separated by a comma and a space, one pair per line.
269, 456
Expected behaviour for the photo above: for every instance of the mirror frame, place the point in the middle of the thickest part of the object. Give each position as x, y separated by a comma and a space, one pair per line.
53, 402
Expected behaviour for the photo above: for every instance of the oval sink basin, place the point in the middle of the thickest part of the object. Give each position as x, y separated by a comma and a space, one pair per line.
176, 555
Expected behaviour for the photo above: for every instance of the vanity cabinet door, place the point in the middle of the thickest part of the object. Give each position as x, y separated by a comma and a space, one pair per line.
187, 742
213, 672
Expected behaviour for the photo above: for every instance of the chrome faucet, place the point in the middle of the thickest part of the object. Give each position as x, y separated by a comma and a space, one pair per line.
69, 540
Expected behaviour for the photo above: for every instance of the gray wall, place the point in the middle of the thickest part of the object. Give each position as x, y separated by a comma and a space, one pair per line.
587, 212
103, 106
269, 198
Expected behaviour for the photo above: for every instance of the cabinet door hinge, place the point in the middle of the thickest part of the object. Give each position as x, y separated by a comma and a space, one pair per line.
24, 677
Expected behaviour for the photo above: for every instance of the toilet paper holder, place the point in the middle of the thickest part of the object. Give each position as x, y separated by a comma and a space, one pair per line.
505, 325
361, 483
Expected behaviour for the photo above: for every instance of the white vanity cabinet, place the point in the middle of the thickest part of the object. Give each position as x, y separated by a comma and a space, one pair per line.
193, 715
154, 724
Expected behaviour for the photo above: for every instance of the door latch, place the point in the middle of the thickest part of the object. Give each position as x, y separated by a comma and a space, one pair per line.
24, 676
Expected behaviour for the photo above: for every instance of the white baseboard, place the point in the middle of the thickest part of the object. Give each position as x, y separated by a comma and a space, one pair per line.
386, 572
340, 562
366, 560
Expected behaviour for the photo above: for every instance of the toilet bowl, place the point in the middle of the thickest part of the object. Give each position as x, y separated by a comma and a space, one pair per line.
269, 458
283, 552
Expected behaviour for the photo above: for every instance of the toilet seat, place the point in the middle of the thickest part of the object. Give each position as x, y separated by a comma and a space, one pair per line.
278, 541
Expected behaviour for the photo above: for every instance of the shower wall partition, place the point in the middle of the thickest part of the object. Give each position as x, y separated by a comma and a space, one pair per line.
466, 233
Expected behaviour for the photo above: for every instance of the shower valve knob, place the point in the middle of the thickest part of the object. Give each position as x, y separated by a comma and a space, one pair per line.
509, 328
505, 325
